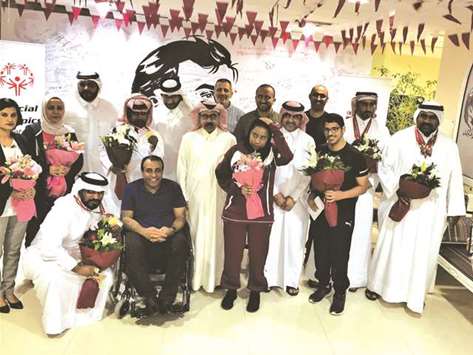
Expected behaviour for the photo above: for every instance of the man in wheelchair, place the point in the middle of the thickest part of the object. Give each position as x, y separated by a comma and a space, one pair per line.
154, 214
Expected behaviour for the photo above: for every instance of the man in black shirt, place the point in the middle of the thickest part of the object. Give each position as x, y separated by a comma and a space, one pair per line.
332, 244
315, 127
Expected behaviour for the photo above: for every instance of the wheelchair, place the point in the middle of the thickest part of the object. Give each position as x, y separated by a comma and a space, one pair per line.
125, 299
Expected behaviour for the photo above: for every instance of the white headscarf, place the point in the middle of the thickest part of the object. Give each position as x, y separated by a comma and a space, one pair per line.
89, 181
47, 126
430, 106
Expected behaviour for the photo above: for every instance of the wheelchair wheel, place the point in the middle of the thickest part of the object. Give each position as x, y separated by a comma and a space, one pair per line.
122, 308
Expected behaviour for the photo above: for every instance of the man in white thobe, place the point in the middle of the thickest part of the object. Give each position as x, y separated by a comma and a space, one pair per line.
200, 152
172, 119
138, 113
91, 116
404, 263
283, 266
364, 123
53, 261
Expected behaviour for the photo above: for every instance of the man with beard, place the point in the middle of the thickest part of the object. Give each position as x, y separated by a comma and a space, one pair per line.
315, 127
154, 213
291, 221
172, 120
404, 263
332, 243
138, 113
91, 116
265, 97
364, 124
223, 94
200, 152
53, 261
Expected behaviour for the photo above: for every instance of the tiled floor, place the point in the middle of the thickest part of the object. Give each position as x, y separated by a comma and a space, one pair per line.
284, 325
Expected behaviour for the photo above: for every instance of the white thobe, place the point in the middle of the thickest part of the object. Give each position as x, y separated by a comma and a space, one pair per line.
404, 262
199, 155
91, 120
48, 263
360, 249
289, 231
172, 125
133, 172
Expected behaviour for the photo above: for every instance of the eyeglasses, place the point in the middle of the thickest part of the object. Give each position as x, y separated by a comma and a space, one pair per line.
332, 130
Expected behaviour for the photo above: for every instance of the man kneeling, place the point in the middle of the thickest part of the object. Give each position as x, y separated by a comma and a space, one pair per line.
153, 212
53, 261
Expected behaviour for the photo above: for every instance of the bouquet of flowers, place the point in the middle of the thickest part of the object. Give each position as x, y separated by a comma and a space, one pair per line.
119, 145
416, 185
101, 247
62, 151
370, 150
329, 174
249, 170
22, 173
152, 138
311, 163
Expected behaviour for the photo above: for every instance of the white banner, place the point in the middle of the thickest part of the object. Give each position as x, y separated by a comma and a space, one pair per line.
22, 76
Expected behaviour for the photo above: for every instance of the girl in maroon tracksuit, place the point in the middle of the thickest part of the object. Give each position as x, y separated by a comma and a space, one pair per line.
265, 140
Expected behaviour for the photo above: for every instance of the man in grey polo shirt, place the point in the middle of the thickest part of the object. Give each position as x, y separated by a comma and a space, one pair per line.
223, 93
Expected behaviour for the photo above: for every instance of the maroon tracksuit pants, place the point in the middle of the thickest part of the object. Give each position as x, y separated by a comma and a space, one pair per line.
258, 243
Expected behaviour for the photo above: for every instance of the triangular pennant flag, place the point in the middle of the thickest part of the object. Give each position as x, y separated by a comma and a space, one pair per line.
391, 21
357, 7
272, 31
284, 25
141, 26
120, 5
420, 29
418, 4
359, 30
432, 45
405, 30
379, 25
187, 31
295, 43
365, 27
187, 12
363, 41
344, 35
327, 40
70, 15
452, 18
239, 7
179, 21
381, 37
393, 33
218, 30
422, 44
254, 38
202, 20
249, 29
263, 34
209, 34
164, 30
118, 24
228, 24
355, 47
128, 16
412, 44
393, 46
174, 13
285, 36
317, 45
194, 27
221, 10
21, 8
383, 46
376, 5
218, 17
275, 41
258, 26
48, 8
400, 48
241, 32
466, 39
339, 8
233, 37
351, 32
373, 48
337, 45
95, 20
251, 16
454, 39
76, 12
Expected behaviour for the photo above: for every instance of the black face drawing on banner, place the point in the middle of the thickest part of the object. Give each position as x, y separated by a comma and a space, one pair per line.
205, 91
163, 62
468, 114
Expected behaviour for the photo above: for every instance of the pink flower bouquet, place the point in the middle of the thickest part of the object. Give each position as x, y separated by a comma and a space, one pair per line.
22, 173
64, 152
249, 171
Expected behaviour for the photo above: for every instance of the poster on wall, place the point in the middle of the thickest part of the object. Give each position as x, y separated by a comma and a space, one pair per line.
22, 76
465, 129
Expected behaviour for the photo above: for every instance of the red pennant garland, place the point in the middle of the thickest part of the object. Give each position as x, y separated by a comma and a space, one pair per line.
454, 39
275, 41
221, 11
194, 27
251, 16
337, 45
376, 5
76, 12
379, 25
241, 32
355, 47
258, 26
263, 34
95, 20
141, 26
432, 45
120, 5
327, 40
272, 31
295, 43
422, 44
405, 30
317, 46
218, 30
202, 20
48, 8
412, 44
285, 36
209, 34
284, 25
420, 29
228, 24
233, 37
118, 24
164, 30
187, 31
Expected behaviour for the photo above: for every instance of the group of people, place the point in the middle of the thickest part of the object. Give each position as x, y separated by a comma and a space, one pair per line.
186, 178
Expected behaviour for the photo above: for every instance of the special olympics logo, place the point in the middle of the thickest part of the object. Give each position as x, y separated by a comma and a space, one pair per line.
17, 77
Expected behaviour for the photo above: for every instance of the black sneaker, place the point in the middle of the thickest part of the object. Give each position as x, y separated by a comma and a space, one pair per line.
253, 302
338, 304
312, 283
228, 299
319, 294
